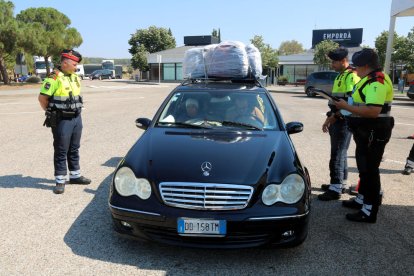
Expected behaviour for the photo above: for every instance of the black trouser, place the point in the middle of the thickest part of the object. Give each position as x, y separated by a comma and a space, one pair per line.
66, 142
411, 155
370, 136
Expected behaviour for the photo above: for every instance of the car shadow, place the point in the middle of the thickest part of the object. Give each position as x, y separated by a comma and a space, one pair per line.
91, 235
20, 181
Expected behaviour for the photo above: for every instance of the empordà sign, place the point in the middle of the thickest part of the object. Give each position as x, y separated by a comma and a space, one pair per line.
344, 37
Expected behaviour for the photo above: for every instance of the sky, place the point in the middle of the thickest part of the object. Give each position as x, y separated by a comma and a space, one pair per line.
106, 26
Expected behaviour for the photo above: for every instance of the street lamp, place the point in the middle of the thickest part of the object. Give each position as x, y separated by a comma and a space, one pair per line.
159, 57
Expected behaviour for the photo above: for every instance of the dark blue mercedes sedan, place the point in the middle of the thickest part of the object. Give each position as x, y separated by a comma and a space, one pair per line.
215, 168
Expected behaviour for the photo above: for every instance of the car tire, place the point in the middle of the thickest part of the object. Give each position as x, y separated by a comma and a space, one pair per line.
309, 92
411, 96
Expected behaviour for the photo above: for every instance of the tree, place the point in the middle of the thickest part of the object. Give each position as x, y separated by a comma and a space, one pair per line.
407, 50
290, 47
53, 30
321, 53
216, 33
269, 55
146, 41
381, 45
403, 48
9, 33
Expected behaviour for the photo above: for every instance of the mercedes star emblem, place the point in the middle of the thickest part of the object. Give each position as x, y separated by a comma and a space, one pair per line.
206, 168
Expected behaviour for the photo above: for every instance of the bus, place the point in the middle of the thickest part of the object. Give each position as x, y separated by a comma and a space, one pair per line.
40, 66
110, 65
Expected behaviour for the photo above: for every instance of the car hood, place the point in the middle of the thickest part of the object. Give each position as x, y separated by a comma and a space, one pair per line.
165, 155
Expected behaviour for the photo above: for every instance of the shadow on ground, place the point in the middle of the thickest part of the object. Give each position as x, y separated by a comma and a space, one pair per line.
20, 181
362, 248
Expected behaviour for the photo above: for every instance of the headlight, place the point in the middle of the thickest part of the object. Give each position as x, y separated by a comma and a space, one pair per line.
292, 188
127, 184
271, 194
289, 191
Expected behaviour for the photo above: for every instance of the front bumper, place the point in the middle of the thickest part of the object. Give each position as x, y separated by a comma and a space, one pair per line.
242, 231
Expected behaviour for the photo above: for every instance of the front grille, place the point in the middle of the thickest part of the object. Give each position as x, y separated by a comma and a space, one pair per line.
205, 196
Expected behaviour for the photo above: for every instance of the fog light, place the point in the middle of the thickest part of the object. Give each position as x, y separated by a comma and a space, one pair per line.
126, 224
288, 234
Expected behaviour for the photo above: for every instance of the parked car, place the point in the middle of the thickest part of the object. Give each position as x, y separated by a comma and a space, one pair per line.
321, 80
22, 78
218, 179
410, 91
101, 74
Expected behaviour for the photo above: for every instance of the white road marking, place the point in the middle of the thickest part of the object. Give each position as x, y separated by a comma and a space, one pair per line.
404, 124
16, 113
394, 161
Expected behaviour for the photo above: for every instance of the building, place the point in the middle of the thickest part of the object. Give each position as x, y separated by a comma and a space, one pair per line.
167, 65
297, 67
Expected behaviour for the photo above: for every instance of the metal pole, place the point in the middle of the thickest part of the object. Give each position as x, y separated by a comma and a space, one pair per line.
389, 45
159, 57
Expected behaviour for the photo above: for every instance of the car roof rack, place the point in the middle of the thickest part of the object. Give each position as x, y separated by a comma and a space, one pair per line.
231, 80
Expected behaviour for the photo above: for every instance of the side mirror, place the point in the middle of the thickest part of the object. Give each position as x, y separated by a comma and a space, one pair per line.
294, 127
142, 123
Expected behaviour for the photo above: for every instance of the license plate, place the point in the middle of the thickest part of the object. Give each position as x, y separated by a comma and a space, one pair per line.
201, 227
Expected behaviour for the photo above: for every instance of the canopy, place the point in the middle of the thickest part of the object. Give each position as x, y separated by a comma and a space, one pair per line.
398, 8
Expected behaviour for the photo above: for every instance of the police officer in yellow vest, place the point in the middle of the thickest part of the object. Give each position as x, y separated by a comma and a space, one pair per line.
371, 125
337, 126
60, 98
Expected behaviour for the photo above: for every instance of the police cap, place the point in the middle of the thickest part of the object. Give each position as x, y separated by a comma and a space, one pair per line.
366, 56
338, 54
71, 54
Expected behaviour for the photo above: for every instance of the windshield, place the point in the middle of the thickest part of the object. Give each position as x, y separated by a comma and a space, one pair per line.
42, 65
219, 109
108, 65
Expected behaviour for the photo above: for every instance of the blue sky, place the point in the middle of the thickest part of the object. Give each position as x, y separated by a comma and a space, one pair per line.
106, 26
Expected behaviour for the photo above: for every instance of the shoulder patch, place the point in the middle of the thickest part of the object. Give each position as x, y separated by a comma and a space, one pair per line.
47, 85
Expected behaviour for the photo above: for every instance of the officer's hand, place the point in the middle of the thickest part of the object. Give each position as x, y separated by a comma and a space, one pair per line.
328, 122
341, 104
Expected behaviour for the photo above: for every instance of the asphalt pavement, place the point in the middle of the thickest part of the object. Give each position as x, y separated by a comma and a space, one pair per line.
71, 234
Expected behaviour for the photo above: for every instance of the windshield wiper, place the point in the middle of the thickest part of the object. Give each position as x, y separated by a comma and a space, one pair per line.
182, 124
240, 124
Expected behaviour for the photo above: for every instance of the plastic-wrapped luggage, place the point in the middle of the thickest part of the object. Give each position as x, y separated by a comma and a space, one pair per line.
193, 65
228, 60
255, 61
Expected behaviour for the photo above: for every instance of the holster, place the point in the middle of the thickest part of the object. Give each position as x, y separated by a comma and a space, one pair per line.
52, 118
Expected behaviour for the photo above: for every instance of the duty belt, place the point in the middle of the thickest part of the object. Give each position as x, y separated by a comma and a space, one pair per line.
385, 111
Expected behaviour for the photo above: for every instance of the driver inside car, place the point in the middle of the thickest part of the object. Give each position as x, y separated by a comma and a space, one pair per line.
243, 111
192, 111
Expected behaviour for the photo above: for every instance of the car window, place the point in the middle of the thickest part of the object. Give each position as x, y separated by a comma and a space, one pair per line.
318, 75
325, 75
333, 75
219, 110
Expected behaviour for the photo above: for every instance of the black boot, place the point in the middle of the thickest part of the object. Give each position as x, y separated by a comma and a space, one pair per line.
407, 170
351, 203
80, 180
59, 188
325, 187
329, 195
362, 217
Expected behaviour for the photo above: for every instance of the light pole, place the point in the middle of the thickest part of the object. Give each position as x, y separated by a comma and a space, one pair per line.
159, 57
